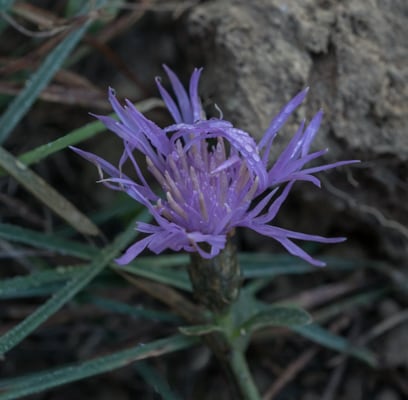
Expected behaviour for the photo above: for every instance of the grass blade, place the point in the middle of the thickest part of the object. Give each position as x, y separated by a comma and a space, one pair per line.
157, 268
39, 80
137, 312
156, 381
72, 287
46, 194
172, 277
49, 379
18, 285
5, 5
76, 136
324, 337
45, 241
268, 265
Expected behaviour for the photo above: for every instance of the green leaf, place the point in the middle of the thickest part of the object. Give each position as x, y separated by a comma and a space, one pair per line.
72, 287
5, 5
46, 194
156, 268
45, 241
138, 312
322, 336
49, 379
167, 276
268, 265
20, 285
39, 80
76, 136
156, 381
276, 316
199, 330
22, 103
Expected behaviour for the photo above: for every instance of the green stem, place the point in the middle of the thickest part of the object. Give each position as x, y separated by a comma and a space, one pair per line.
243, 376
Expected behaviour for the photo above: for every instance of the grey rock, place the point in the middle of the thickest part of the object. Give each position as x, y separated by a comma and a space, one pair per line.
354, 57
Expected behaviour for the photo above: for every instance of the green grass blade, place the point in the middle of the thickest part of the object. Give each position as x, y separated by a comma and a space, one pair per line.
167, 276
39, 80
324, 337
45, 241
268, 265
156, 381
137, 312
46, 194
21, 285
76, 136
72, 287
49, 379
157, 268
5, 5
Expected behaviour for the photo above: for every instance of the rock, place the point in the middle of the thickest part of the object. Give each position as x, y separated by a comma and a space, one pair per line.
353, 55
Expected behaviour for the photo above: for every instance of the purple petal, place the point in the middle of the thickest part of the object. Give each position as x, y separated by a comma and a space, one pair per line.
281, 118
329, 166
275, 206
194, 98
133, 251
181, 94
171, 105
310, 132
295, 250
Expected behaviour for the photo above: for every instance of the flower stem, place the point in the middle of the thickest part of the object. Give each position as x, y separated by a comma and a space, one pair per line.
242, 375
216, 282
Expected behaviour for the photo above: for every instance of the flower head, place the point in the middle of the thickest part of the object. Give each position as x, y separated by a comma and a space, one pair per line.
210, 174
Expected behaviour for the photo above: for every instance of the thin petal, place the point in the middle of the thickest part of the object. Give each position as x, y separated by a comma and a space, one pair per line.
194, 98
281, 118
310, 132
181, 94
171, 105
133, 251
295, 250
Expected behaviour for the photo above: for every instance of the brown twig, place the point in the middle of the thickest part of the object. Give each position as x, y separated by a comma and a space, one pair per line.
290, 373
65, 95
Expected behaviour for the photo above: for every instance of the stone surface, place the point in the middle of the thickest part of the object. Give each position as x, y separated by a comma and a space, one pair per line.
353, 55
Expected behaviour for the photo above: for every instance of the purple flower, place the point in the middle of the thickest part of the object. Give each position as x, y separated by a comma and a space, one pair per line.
210, 174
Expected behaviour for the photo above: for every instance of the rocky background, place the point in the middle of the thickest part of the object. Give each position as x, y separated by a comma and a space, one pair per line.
256, 55
354, 57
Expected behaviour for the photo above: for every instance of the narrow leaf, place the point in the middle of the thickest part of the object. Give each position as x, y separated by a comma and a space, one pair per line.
199, 330
5, 5
39, 80
49, 379
156, 268
72, 287
167, 276
13, 287
268, 265
156, 381
138, 312
328, 339
276, 316
76, 136
45, 241
46, 194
